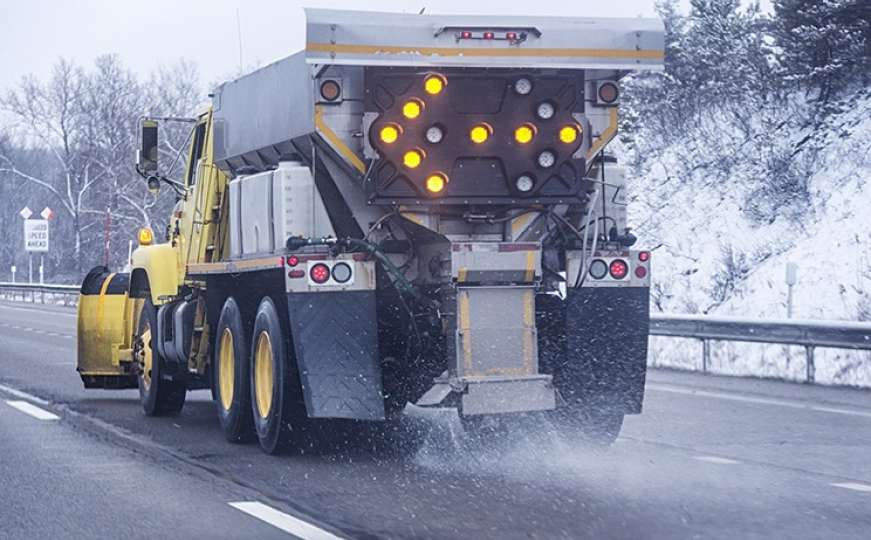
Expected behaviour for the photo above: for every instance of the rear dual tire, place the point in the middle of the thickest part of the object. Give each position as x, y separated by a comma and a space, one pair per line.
232, 394
280, 419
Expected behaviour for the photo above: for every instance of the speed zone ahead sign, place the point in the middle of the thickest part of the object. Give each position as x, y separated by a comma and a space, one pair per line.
36, 235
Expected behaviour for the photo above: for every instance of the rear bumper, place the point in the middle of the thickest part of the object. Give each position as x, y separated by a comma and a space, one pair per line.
493, 395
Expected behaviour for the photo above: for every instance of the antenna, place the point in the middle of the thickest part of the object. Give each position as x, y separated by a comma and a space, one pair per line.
239, 34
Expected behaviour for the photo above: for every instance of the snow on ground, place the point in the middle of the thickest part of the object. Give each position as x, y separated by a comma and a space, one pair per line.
711, 256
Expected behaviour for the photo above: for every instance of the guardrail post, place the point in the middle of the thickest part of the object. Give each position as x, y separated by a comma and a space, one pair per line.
809, 361
706, 355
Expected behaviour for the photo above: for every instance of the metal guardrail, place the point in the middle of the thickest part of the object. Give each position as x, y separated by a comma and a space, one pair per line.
807, 333
40, 293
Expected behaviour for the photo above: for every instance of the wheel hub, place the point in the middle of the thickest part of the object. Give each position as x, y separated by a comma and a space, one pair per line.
263, 372
146, 357
226, 369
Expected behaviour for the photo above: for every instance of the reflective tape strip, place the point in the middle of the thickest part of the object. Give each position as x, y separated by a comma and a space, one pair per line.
606, 135
521, 221
334, 139
338, 48
530, 265
528, 332
466, 330
101, 302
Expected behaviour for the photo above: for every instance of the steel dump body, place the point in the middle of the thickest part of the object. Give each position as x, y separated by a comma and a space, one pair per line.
263, 112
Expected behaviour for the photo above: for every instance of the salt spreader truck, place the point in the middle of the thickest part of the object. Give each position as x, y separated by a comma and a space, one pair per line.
415, 211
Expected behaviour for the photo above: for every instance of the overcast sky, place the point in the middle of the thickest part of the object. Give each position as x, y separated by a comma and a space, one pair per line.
148, 33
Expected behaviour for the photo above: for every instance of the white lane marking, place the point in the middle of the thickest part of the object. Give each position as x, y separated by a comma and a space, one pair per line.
32, 410
285, 522
853, 485
716, 460
759, 400
22, 395
837, 410
38, 331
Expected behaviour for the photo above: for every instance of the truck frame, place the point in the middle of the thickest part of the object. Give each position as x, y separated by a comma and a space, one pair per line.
416, 211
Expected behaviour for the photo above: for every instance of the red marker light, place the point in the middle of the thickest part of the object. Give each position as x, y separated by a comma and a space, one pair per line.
298, 273
320, 273
489, 35
641, 272
465, 35
618, 269
644, 256
511, 36
293, 260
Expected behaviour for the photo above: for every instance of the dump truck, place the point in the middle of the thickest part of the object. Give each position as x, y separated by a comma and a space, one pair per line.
414, 212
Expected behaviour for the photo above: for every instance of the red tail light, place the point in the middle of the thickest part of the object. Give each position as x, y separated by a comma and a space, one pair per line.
618, 269
640, 272
644, 256
320, 273
293, 260
296, 274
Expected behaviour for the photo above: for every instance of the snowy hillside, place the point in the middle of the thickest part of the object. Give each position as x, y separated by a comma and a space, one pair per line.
698, 203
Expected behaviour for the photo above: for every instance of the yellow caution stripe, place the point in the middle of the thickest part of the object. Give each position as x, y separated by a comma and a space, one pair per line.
339, 48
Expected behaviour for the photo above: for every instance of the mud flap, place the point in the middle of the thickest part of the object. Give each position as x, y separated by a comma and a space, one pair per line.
335, 338
602, 356
105, 330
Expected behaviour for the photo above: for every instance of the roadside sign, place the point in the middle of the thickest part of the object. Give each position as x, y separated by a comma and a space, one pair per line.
791, 273
47, 213
36, 235
25, 213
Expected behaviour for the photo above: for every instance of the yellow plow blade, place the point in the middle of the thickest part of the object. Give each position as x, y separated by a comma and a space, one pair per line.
106, 322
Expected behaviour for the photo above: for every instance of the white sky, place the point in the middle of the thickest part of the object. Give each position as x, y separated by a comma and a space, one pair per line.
148, 33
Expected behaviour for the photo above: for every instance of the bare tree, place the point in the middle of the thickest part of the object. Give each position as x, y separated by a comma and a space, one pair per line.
86, 123
52, 117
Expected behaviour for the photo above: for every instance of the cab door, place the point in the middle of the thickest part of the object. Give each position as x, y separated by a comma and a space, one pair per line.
199, 220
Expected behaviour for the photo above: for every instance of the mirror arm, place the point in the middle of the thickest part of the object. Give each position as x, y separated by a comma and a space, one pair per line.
176, 186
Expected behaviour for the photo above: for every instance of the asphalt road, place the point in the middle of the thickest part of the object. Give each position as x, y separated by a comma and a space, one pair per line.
711, 457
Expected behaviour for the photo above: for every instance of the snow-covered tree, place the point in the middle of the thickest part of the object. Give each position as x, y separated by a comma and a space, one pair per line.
826, 44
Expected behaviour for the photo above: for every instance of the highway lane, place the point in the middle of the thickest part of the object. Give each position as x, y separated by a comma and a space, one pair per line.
56, 482
711, 457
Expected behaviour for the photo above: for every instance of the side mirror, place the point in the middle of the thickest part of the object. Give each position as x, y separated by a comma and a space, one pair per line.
146, 156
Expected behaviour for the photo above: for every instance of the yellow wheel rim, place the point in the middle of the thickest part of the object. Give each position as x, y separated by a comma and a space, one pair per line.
146, 360
263, 374
226, 369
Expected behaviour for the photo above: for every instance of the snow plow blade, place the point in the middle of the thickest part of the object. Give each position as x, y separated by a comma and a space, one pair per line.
105, 329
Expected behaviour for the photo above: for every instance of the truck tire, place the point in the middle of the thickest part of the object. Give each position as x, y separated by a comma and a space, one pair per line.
230, 368
159, 395
277, 405
597, 425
